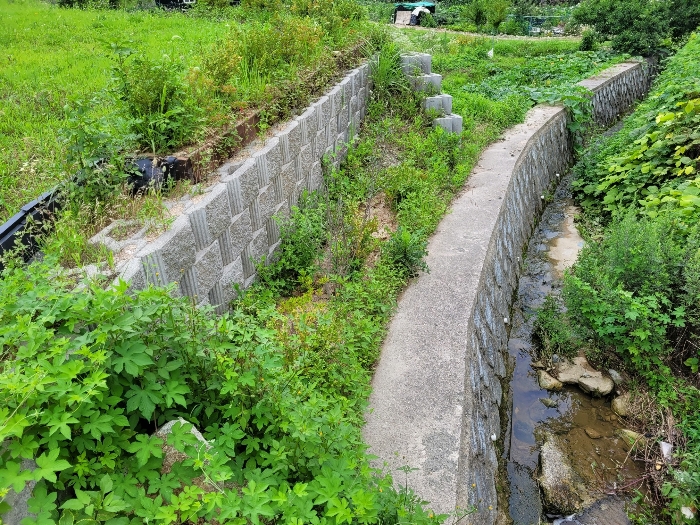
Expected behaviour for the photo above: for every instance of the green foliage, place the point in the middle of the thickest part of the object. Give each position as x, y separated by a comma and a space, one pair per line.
637, 27
653, 161
553, 331
94, 149
84, 378
156, 99
303, 236
427, 20
405, 250
388, 79
589, 40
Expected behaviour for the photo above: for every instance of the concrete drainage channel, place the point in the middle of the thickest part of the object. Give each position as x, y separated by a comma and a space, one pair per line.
437, 390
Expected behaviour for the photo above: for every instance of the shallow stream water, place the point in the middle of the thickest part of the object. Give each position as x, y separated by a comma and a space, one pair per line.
601, 461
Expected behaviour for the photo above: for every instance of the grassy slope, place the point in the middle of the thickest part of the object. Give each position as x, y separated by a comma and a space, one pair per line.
52, 55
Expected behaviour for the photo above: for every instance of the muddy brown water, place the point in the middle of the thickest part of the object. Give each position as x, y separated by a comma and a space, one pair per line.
601, 460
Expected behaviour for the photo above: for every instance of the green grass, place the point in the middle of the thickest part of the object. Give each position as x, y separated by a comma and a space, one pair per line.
51, 56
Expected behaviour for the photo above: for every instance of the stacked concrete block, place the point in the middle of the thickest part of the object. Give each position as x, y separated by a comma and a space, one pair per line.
221, 235
440, 103
417, 67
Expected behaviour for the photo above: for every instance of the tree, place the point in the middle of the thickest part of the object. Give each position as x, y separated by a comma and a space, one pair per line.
634, 26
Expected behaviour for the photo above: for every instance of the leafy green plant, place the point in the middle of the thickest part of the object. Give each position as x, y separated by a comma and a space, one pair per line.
302, 236
589, 40
635, 26
388, 79
553, 331
156, 99
406, 251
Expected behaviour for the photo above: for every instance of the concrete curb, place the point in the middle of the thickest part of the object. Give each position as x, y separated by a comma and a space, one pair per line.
437, 387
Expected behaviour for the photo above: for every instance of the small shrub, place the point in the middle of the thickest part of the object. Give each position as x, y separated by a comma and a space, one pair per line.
634, 26
302, 238
406, 251
427, 20
156, 98
588, 41
553, 332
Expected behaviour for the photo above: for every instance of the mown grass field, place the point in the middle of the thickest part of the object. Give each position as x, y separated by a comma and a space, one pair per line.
51, 56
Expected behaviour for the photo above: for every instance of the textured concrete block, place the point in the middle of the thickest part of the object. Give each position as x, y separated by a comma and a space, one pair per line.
226, 247
346, 87
282, 211
343, 121
290, 141
242, 185
241, 232
208, 269
171, 254
268, 161
323, 111
134, 274
300, 187
273, 231
304, 162
315, 177
416, 63
320, 144
210, 216
227, 168
431, 83
287, 181
336, 97
253, 253
362, 96
440, 103
188, 283
308, 125
457, 122
224, 292
263, 206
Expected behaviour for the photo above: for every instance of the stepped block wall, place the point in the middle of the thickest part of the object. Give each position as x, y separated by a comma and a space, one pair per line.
213, 243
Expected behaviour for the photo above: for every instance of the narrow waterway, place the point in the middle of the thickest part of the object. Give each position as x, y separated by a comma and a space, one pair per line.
587, 425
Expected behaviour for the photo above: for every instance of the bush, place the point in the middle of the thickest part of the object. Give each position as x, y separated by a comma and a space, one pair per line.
637, 27
156, 99
427, 20
588, 41
405, 251
302, 237
553, 331
652, 163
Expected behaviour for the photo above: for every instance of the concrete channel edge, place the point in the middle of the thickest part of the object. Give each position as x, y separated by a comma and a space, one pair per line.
437, 387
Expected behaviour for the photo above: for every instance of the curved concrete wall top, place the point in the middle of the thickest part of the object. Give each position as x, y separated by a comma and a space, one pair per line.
437, 388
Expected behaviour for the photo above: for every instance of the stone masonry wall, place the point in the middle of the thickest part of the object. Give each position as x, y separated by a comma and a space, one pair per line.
437, 390
548, 152
214, 242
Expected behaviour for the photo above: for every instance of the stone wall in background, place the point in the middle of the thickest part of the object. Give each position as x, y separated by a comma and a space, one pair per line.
216, 236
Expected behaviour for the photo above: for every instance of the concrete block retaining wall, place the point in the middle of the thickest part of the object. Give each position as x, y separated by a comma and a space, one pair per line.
214, 242
437, 388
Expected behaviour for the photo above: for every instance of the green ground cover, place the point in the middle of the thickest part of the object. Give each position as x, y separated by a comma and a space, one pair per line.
78, 85
632, 298
53, 56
